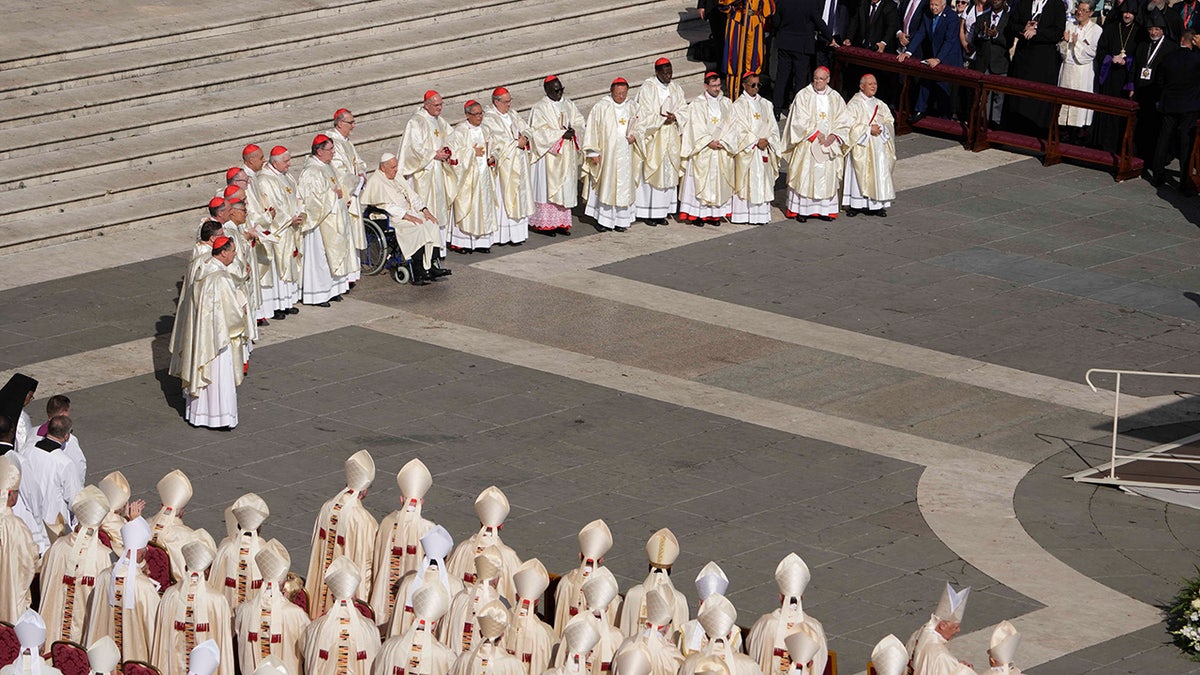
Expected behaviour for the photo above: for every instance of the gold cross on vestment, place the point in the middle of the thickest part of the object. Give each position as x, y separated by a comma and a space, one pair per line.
757, 116
822, 115
716, 119
437, 132
288, 189
621, 121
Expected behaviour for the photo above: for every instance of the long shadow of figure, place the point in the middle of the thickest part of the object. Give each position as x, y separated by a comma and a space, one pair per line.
160, 351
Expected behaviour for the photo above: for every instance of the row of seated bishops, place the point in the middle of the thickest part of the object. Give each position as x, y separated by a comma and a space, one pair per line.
395, 596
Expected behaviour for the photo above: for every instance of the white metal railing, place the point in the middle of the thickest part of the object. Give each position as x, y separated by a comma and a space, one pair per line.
1158, 457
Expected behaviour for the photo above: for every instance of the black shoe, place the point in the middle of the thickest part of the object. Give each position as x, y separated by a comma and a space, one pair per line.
352, 285
336, 298
621, 229
564, 231
262, 322
439, 272
882, 213
698, 223
801, 219
652, 222
322, 304
292, 310
485, 249
280, 315
548, 233
715, 223
851, 212
916, 118
828, 219
662, 221
419, 281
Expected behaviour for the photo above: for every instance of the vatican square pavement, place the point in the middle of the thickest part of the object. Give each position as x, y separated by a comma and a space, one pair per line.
894, 399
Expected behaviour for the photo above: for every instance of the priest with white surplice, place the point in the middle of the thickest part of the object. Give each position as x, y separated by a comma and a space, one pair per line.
757, 143
814, 151
267, 624
398, 541
351, 173
342, 641
415, 226
611, 174
767, 634
707, 189
281, 201
508, 142
344, 527
658, 151
476, 204
870, 132
71, 567
425, 157
555, 131
325, 266
215, 348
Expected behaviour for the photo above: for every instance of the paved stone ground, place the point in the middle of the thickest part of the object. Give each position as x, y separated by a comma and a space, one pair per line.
582, 398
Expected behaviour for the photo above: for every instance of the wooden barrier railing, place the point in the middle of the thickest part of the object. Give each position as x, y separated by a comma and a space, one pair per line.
974, 129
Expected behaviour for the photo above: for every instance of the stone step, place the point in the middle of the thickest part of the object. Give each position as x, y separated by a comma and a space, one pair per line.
113, 110
131, 135
81, 30
176, 189
54, 90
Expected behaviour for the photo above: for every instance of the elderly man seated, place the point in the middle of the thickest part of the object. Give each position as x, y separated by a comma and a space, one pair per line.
415, 227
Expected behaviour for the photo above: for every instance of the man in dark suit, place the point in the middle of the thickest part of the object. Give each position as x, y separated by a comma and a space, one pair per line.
1179, 77
716, 26
1148, 56
990, 42
796, 25
874, 26
910, 13
936, 42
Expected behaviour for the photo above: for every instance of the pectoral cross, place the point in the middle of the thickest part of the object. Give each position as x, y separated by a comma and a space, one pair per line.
822, 115
288, 189
757, 116
436, 133
621, 121
716, 120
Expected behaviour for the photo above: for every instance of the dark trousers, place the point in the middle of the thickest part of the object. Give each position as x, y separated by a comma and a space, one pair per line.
1175, 136
716, 26
935, 93
793, 72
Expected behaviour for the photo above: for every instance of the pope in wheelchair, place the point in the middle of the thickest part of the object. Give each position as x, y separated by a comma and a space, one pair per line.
401, 233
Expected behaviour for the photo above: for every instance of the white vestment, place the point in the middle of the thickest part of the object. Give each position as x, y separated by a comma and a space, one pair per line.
612, 183
814, 173
48, 481
326, 257
708, 172
475, 199
351, 171
434, 181
512, 174
396, 197
556, 162
1077, 70
281, 201
755, 169
869, 167
657, 155
213, 362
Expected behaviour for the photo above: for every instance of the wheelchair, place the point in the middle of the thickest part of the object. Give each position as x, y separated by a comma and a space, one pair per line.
382, 251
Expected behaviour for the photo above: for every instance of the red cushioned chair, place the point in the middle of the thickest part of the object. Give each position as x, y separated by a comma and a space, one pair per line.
138, 668
70, 658
363, 608
10, 646
158, 566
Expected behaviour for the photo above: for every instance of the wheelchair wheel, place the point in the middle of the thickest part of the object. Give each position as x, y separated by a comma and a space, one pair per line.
401, 274
375, 255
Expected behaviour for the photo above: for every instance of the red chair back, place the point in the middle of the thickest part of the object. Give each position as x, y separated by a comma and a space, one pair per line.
830, 665
70, 658
138, 668
364, 609
10, 646
158, 566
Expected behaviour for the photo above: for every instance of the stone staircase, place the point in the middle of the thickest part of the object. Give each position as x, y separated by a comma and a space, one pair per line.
137, 129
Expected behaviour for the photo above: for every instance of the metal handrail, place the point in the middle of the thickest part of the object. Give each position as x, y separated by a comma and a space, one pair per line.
1112, 466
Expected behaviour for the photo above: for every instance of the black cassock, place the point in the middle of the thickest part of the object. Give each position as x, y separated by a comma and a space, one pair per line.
1036, 59
1114, 79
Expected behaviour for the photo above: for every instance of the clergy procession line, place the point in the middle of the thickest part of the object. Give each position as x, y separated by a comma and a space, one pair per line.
393, 597
271, 242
